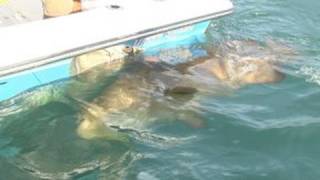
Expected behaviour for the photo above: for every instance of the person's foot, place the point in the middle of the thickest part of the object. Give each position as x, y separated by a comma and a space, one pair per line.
55, 8
76, 6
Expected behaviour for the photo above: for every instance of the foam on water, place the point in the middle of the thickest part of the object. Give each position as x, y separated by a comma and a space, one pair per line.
311, 74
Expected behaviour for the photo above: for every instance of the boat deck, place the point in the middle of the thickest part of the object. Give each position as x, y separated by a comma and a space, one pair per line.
19, 11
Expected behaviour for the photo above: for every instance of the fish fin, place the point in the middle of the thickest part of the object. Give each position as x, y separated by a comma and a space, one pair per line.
92, 125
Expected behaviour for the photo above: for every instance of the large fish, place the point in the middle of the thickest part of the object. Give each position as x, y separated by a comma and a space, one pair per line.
149, 89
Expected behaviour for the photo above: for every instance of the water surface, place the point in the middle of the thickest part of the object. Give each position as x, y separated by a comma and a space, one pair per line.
268, 131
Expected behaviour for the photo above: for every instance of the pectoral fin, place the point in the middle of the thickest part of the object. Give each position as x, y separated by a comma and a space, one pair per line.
96, 129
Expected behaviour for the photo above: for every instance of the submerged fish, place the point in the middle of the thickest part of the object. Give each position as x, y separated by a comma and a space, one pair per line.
133, 101
242, 62
145, 92
136, 96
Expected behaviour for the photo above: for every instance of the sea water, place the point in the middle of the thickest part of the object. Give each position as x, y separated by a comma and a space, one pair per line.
266, 131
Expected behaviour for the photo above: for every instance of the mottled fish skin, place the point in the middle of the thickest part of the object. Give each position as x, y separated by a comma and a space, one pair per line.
242, 62
143, 89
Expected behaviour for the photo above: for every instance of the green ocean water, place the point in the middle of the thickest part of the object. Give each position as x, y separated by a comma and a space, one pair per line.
257, 132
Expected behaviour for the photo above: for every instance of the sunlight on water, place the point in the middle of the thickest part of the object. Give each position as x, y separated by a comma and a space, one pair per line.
312, 74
